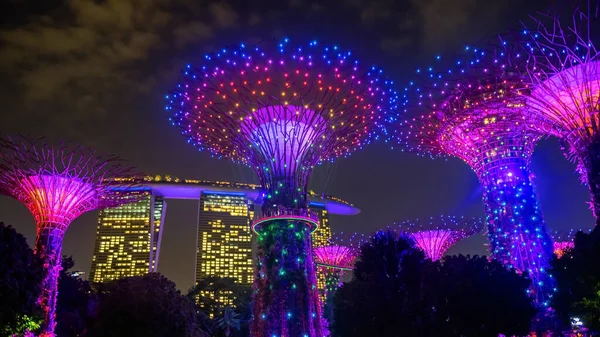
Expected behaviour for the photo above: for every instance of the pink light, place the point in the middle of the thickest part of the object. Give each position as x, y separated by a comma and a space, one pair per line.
436, 235
561, 246
57, 200
435, 243
57, 184
283, 134
339, 257
564, 98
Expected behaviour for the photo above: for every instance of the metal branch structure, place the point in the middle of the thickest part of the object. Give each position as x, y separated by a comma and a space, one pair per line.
563, 71
438, 234
333, 261
476, 112
282, 110
57, 184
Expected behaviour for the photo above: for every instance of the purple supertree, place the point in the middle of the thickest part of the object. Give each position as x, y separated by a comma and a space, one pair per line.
563, 71
437, 234
282, 110
477, 113
333, 261
57, 184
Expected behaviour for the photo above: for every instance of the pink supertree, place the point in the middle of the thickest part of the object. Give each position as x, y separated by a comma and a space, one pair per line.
563, 71
437, 234
476, 111
333, 261
57, 184
282, 110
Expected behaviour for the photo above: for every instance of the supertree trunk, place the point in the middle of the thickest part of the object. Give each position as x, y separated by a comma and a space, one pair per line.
48, 246
517, 231
332, 283
286, 298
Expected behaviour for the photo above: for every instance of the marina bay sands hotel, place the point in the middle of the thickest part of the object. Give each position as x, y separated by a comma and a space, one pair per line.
128, 237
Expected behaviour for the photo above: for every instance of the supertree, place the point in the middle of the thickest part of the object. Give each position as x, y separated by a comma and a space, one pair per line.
562, 241
282, 110
563, 71
58, 183
437, 234
477, 113
333, 261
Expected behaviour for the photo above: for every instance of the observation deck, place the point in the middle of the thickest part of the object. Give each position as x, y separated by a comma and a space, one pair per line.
282, 213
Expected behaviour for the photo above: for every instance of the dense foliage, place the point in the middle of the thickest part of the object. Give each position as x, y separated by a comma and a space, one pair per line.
76, 302
395, 291
470, 292
577, 275
227, 319
144, 306
21, 274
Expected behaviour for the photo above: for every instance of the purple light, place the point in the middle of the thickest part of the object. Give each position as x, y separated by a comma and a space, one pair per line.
57, 184
478, 113
336, 257
281, 119
563, 70
285, 134
437, 235
563, 240
333, 261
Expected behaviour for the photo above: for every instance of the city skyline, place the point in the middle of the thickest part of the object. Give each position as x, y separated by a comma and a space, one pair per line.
125, 246
388, 185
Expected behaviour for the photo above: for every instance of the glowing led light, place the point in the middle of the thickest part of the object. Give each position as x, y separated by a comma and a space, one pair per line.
436, 235
565, 89
57, 184
563, 240
282, 119
478, 113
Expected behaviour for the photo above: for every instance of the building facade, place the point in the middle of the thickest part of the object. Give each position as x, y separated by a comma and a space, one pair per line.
128, 239
129, 236
224, 241
320, 238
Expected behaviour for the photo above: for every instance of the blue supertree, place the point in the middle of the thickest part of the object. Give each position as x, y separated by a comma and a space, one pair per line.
476, 111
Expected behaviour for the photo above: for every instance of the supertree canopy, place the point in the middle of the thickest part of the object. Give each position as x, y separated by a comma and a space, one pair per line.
477, 113
282, 110
437, 234
563, 71
58, 184
333, 261
562, 241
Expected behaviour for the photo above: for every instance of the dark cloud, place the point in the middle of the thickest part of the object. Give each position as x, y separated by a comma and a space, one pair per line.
86, 55
224, 16
83, 61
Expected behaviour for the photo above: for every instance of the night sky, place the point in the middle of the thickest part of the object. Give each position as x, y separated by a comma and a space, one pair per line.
95, 72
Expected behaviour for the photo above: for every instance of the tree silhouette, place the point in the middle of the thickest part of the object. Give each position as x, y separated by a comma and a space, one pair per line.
395, 291
385, 296
231, 294
468, 292
76, 302
209, 290
577, 275
21, 274
144, 306
230, 320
